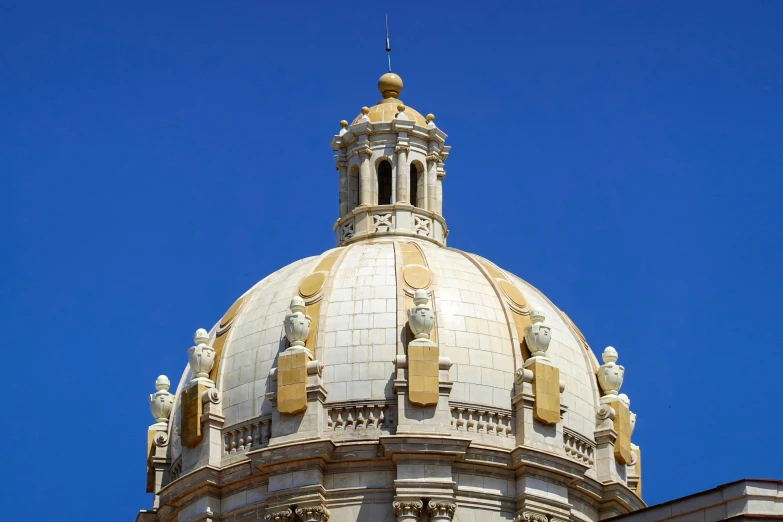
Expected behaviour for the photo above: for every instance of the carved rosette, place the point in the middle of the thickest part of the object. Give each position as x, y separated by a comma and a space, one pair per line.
297, 324
407, 510
605, 412
161, 401
440, 511
313, 514
285, 515
538, 335
421, 318
610, 374
202, 356
161, 439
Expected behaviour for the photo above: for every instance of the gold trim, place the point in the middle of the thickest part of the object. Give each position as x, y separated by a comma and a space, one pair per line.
416, 276
232, 312
546, 388
292, 383
622, 425
328, 261
192, 409
217, 345
423, 378
513, 293
150, 453
411, 255
312, 284
314, 311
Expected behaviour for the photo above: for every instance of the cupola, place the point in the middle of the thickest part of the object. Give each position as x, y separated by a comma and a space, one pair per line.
390, 159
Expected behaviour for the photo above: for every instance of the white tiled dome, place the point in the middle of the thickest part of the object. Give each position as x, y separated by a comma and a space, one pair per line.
358, 335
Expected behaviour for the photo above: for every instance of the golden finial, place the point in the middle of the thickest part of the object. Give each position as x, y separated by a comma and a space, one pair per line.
343, 124
365, 110
430, 117
401, 107
390, 85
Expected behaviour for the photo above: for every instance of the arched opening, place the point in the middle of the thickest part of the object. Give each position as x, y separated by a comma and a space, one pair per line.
354, 187
414, 191
384, 183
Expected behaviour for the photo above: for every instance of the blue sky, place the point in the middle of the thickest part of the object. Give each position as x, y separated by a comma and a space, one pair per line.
157, 159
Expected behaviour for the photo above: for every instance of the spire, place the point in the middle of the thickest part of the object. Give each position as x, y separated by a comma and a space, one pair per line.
388, 45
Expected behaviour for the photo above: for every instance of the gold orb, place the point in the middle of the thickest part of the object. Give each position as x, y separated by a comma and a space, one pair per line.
390, 85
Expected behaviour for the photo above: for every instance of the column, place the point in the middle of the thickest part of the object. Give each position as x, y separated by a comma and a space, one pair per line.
403, 175
439, 191
365, 194
343, 184
432, 180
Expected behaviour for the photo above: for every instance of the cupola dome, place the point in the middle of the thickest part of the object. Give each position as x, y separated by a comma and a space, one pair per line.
390, 87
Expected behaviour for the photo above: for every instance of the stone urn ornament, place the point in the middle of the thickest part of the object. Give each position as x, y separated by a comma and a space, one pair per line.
610, 374
538, 335
421, 318
201, 356
297, 324
161, 401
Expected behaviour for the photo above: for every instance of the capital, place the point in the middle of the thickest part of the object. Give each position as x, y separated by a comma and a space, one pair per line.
441, 511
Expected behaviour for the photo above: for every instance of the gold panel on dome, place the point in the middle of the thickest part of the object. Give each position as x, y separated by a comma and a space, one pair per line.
622, 425
312, 284
416, 276
231, 312
192, 408
150, 452
513, 293
292, 383
423, 379
546, 388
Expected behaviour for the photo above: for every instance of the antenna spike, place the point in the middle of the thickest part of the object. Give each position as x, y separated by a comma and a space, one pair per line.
388, 45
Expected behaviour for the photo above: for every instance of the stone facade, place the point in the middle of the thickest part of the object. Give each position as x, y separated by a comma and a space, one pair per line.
393, 378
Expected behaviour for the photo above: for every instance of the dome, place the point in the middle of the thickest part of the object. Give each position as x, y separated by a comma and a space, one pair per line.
391, 373
386, 110
390, 87
356, 335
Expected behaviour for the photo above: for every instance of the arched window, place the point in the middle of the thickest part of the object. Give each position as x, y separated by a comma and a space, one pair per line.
384, 183
414, 185
354, 188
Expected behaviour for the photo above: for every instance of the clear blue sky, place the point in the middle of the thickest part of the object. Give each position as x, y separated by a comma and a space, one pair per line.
159, 158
